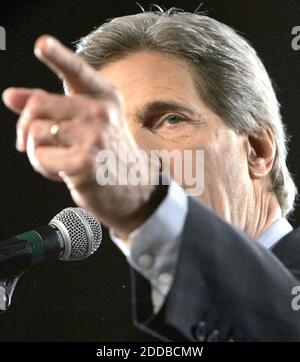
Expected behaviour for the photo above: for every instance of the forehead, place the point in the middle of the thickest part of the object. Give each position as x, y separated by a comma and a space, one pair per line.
149, 74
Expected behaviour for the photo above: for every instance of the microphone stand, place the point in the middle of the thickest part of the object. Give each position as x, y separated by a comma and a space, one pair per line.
7, 288
15, 258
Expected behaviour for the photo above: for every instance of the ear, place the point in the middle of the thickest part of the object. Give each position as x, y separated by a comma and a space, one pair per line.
261, 150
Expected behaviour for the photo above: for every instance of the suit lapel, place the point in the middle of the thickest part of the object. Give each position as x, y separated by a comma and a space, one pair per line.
287, 250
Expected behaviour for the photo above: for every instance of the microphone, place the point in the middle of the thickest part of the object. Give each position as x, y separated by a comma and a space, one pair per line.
73, 234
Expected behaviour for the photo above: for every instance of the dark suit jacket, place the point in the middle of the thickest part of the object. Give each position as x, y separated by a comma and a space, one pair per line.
226, 287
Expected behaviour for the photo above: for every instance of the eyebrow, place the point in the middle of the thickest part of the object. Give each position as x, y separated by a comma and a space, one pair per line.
158, 107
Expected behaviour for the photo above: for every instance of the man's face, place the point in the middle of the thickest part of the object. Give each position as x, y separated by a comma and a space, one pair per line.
164, 111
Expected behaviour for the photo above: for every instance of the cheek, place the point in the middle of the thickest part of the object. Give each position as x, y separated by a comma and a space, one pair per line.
144, 139
148, 140
226, 164
180, 161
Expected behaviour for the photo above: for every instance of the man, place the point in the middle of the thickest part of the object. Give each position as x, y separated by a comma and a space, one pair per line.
221, 266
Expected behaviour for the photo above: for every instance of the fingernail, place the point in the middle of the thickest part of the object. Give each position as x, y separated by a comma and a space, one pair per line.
61, 174
5, 95
19, 141
47, 48
38, 53
19, 146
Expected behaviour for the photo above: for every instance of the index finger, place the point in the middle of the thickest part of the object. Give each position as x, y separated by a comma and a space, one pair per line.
80, 76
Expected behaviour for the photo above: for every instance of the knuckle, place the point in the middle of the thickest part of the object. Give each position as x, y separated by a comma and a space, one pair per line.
95, 137
99, 110
116, 96
35, 102
35, 129
84, 161
38, 97
78, 66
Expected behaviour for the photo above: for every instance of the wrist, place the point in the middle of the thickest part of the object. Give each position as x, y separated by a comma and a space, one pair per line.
152, 198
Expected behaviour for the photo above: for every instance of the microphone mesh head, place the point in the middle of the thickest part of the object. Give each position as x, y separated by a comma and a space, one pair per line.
82, 233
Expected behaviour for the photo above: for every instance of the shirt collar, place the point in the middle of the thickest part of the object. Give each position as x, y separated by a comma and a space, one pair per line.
275, 232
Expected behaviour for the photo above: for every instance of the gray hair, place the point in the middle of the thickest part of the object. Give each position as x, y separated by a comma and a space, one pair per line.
230, 76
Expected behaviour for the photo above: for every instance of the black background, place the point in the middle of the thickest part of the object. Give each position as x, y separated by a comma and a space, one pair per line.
90, 300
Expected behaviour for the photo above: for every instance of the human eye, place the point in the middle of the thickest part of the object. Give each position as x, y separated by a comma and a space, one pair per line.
171, 120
